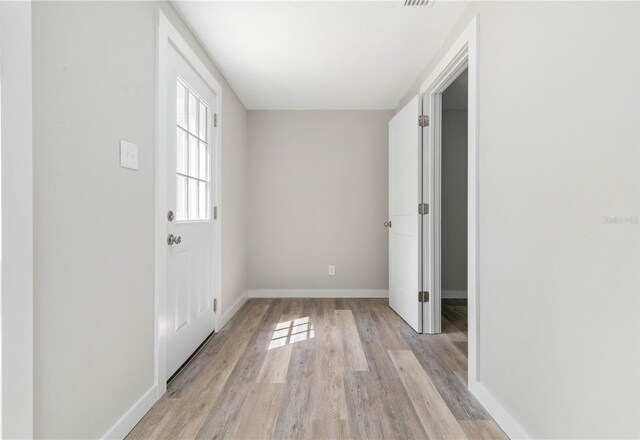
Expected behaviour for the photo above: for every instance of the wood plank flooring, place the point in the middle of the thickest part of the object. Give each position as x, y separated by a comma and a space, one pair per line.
324, 369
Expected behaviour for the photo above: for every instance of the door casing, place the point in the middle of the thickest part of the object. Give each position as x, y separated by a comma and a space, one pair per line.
169, 35
462, 55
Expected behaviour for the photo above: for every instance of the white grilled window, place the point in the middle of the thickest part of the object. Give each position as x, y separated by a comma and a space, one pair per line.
192, 161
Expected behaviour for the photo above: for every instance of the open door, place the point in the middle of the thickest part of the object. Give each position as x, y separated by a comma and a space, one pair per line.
405, 221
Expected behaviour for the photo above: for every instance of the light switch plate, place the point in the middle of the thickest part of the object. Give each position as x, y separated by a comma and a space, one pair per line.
128, 155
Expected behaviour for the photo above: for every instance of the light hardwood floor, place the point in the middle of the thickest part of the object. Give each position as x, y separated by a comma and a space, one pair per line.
325, 369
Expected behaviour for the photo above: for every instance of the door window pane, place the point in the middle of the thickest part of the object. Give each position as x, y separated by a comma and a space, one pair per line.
203, 121
192, 200
181, 160
181, 105
192, 155
193, 113
203, 161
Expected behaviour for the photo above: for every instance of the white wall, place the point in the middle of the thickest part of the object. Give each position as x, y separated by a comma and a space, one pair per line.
16, 416
94, 84
559, 292
318, 196
454, 202
234, 181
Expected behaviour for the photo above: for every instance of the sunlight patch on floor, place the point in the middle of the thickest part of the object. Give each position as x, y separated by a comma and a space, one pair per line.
290, 332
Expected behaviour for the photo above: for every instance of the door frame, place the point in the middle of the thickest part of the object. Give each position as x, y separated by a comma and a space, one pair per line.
169, 35
461, 55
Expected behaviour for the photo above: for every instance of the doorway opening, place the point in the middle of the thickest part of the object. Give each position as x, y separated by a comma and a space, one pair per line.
459, 63
454, 207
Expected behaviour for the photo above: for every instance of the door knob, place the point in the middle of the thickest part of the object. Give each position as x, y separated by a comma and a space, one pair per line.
174, 239
387, 224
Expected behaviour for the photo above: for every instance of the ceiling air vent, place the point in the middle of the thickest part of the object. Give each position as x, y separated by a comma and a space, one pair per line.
416, 2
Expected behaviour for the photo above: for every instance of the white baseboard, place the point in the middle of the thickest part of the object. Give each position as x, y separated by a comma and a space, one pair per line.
129, 419
232, 310
454, 294
318, 293
502, 417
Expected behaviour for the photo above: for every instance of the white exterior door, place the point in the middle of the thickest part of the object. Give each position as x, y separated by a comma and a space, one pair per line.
191, 200
405, 168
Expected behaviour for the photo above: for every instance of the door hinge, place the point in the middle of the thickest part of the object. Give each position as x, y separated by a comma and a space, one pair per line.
423, 297
215, 304
423, 120
215, 119
423, 208
215, 213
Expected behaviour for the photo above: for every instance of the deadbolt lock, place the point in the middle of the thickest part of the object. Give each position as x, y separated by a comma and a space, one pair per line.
170, 216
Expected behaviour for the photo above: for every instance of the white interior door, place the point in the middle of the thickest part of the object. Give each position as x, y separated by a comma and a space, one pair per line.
190, 196
405, 170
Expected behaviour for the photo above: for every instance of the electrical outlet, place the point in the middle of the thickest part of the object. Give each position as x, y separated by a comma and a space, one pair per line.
332, 270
